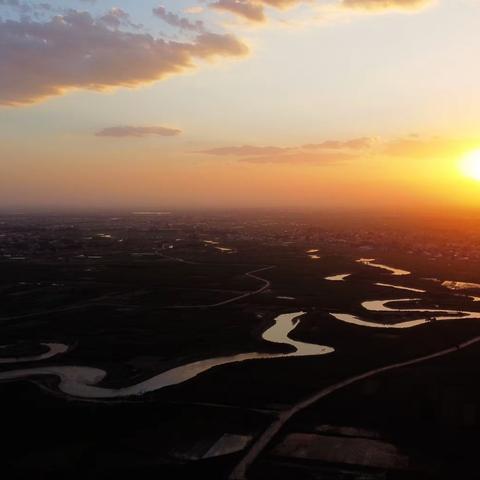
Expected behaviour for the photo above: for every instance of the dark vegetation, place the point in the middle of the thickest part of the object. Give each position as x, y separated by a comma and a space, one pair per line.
120, 313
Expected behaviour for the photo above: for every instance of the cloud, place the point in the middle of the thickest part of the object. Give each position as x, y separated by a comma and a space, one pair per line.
245, 150
210, 45
327, 152
381, 5
116, 18
75, 51
194, 9
44, 57
177, 21
355, 144
320, 158
27, 8
253, 12
418, 147
130, 131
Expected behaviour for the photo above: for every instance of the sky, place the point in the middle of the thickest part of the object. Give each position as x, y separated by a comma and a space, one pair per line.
239, 103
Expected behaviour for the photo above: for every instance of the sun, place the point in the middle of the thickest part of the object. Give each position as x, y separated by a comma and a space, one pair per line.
471, 165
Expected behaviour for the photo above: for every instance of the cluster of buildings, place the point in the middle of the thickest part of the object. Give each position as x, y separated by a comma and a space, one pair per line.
34, 237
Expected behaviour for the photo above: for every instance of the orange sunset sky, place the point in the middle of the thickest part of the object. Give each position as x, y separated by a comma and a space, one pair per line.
239, 103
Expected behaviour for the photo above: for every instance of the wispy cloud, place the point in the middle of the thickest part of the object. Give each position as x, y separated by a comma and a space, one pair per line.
418, 147
255, 10
383, 5
355, 144
179, 22
251, 11
327, 152
330, 152
304, 157
244, 151
116, 18
131, 131
28, 8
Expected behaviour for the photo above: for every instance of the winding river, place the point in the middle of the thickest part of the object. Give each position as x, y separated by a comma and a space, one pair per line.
398, 287
381, 306
451, 285
53, 350
338, 278
394, 271
83, 382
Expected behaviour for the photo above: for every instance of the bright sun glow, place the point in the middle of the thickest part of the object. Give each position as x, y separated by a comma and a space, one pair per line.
471, 165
